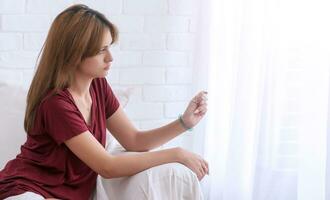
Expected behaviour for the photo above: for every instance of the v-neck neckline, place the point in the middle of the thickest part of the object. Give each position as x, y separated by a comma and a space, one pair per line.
92, 107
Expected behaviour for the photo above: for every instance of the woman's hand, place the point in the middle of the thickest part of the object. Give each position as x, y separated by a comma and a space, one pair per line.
196, 110
194, 162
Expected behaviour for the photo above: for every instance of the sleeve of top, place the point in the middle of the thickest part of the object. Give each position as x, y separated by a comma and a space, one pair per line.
62, 120
111, 102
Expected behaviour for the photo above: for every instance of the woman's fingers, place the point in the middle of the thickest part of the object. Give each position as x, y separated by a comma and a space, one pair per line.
199, 170
201, 173
200, 97
206, 167
202, 168
198, 103
197, 164
201, 109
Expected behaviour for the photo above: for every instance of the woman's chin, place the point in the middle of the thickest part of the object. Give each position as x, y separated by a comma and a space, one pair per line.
103, 75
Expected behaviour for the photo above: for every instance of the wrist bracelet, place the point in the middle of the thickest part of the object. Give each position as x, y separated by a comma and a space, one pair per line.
183, 124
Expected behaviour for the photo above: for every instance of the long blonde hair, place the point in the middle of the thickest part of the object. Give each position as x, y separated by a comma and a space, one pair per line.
75, 34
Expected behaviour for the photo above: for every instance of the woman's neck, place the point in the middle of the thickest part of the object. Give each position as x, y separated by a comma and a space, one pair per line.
80, 87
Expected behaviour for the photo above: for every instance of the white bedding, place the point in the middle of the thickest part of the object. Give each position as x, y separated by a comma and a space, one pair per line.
172, 181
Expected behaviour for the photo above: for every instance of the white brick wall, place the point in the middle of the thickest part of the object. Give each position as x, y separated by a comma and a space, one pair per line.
46, 7
180, 42
142, 76
153, 56
18, 59
172, 109
145, 7
179, 76
25, 22
129, 23
167, 24
107, 7
165, 58
34, 41
142, 41
11, 6
166, 93
10, 41
182, 7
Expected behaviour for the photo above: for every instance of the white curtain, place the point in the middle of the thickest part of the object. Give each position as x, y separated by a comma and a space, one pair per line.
265, 64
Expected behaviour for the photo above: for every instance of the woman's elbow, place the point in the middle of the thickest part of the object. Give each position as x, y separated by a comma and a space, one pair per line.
106, 168
135, 147
109, 173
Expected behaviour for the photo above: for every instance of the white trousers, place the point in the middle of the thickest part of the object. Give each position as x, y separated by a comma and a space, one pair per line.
26, 196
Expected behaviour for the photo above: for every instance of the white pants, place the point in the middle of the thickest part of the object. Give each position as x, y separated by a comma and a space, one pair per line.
26, 196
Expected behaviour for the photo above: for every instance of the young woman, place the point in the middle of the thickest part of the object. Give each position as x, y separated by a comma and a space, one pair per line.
69, 107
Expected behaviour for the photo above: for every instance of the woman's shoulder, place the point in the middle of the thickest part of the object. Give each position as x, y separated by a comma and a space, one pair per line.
53, 99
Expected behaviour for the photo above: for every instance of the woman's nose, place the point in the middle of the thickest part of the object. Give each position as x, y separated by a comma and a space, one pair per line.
108, 57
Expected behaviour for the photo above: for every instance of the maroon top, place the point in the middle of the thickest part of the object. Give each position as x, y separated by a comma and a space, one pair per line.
45, 165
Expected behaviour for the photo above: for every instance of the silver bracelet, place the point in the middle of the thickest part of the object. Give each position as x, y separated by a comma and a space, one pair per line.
183, 124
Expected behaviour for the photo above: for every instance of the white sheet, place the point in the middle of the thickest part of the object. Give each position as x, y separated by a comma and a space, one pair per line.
172, 181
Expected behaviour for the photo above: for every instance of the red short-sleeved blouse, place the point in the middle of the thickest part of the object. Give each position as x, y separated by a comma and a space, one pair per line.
45, 165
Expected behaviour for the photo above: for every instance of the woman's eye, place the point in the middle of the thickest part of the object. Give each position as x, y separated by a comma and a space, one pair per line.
103, 50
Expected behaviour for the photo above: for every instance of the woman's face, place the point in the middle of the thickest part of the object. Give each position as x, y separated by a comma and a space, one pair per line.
98, 66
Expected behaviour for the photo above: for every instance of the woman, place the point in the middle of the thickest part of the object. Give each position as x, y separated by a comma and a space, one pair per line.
69, 107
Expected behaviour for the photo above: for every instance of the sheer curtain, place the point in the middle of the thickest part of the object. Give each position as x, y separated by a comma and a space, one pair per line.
265, 64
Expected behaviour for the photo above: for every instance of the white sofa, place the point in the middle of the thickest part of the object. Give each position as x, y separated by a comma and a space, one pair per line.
171, 181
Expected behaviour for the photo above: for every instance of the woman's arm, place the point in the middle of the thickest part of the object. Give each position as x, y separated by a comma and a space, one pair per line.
134, 140
92, 153
154, 138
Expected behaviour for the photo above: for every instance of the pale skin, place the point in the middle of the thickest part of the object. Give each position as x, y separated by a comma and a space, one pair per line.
93, 154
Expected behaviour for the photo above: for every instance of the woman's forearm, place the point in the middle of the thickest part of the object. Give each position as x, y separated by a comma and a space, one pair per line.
131, 164
147, 140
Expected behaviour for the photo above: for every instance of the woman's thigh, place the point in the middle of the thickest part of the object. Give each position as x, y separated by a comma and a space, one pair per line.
26, 196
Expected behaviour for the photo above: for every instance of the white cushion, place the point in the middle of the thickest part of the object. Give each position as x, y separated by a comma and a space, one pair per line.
12, 111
